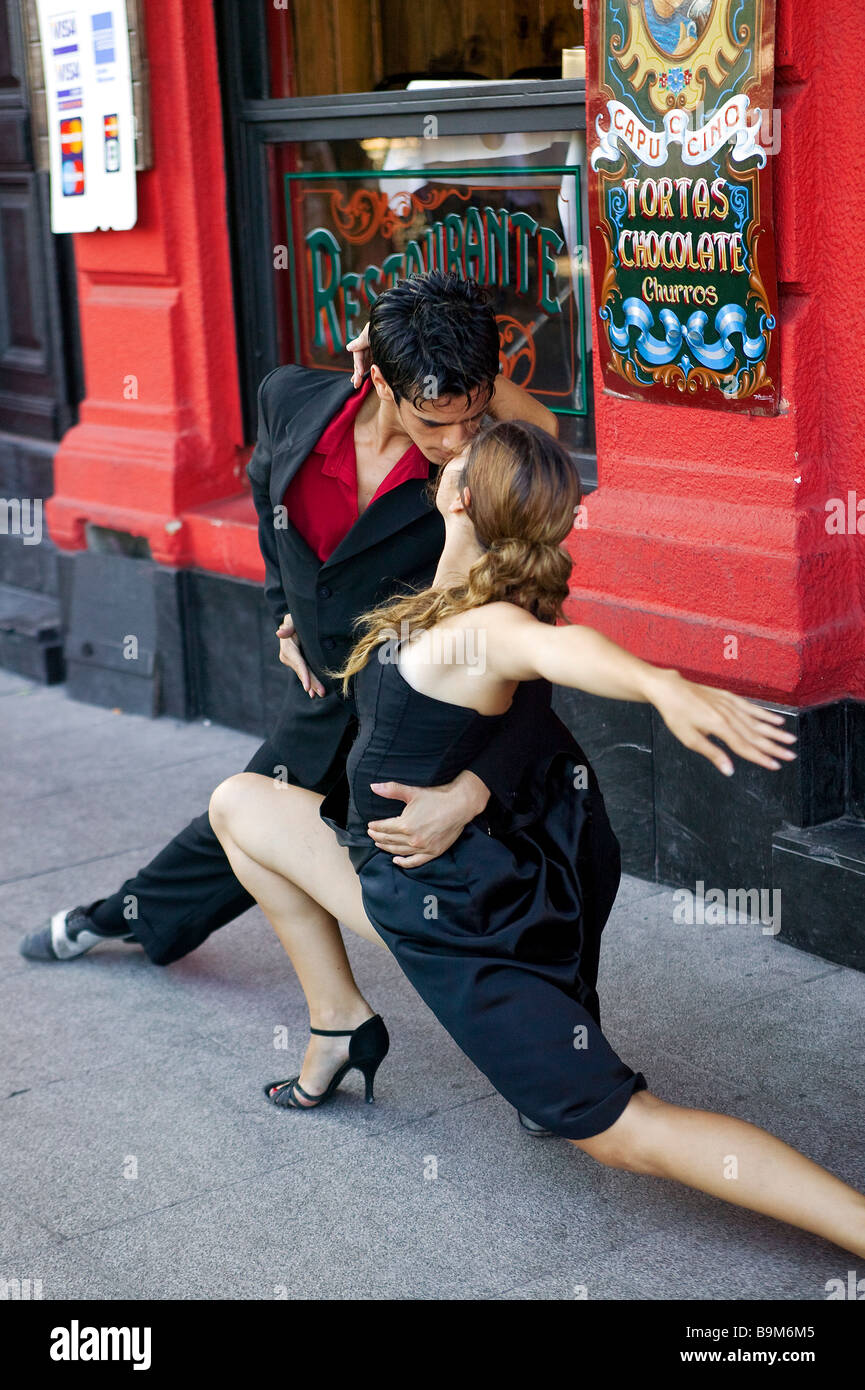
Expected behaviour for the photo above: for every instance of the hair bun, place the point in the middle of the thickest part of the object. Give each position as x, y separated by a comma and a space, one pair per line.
539, 547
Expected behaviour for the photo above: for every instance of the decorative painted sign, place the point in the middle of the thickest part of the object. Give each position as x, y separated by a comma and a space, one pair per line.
680, 131
88, 92
517, 232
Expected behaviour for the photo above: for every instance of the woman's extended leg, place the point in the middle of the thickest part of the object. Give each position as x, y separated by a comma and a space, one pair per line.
734, 1160
291, 863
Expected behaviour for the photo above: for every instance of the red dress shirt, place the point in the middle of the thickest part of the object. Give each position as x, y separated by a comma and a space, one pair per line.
321, 499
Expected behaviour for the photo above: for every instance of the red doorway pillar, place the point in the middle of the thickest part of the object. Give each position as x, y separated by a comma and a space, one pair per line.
706, 526
160, 426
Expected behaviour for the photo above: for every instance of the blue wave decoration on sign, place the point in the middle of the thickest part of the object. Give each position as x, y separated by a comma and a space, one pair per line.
718, 356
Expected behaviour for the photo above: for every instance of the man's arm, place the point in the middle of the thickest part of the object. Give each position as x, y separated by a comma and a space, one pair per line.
258, 472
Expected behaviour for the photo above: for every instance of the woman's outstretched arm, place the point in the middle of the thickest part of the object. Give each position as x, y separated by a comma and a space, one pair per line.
521, 648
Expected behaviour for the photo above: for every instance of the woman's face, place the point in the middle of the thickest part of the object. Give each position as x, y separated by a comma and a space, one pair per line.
448, 482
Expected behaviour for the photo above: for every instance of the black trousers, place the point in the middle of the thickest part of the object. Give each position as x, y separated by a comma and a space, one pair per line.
189, 889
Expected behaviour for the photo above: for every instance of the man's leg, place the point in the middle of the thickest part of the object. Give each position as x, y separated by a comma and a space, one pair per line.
174, 903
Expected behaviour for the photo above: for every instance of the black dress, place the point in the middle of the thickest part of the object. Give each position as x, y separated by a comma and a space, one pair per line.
500, 935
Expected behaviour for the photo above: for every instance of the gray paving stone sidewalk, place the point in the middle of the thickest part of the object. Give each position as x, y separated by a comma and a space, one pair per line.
112, 1067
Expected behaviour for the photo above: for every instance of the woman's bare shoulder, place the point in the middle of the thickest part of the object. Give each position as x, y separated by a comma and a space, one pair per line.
501, 613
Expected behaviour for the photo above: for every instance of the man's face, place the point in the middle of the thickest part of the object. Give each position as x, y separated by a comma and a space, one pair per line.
443, 428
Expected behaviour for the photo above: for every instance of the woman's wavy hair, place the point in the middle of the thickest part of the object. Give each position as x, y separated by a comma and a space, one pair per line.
524, 489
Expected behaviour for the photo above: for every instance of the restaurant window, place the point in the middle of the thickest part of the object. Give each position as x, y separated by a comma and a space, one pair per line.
369, 140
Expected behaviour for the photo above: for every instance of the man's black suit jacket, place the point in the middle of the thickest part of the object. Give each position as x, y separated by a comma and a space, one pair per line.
395, 542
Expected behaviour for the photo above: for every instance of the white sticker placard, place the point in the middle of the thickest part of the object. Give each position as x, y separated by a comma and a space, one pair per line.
88, 90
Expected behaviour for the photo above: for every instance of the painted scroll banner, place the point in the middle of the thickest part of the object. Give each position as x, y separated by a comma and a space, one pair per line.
681, 132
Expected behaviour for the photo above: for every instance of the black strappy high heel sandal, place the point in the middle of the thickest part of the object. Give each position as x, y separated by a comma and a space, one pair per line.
366, 1051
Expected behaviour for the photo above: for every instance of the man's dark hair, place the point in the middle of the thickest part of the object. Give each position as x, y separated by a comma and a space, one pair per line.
434, 335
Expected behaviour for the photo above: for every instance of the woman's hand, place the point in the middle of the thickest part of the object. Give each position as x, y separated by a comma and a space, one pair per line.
692, 712
291, 655
362, 358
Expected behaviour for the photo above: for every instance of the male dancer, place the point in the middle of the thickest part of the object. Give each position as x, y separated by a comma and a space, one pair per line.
340, 481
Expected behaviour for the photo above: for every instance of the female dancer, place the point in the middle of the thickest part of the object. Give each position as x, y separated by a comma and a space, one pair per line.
500, 935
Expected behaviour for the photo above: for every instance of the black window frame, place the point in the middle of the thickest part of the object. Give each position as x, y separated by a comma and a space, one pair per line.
253, 121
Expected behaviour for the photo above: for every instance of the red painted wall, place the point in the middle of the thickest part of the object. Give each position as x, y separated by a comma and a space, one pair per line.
706, 527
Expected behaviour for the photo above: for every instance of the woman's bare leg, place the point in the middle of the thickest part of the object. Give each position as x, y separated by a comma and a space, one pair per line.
290, 861
734, 1160
303, 880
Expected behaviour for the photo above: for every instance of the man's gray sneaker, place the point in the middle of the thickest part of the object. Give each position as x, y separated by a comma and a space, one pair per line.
69, 933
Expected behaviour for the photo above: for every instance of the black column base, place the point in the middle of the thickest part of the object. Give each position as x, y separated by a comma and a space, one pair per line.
800, 829
204, 644
821, 874
126, 634
30, 635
